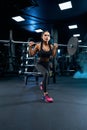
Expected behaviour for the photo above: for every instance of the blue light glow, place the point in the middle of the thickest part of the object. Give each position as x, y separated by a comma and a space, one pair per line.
82, 61
78, 74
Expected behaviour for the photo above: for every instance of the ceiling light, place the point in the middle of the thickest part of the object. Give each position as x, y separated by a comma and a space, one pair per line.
65, 5
76, 35
72, 26
38, 30
79, 40
18, 19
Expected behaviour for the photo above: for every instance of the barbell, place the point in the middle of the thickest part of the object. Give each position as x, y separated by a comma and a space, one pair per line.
72, 44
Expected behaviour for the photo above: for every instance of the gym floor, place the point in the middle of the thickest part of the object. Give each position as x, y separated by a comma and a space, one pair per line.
21, 107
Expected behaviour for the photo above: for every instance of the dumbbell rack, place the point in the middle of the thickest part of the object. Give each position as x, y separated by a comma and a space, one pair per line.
30, 69
28, 65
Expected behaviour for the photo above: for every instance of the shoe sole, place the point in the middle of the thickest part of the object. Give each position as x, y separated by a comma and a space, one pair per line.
46, 101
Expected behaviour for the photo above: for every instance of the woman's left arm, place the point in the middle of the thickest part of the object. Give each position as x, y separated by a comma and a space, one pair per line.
54, 49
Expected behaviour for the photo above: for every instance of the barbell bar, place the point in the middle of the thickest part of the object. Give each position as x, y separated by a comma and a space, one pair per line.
72, 44
4, 41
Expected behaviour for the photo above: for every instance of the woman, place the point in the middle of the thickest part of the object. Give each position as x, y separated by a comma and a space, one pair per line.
45, 50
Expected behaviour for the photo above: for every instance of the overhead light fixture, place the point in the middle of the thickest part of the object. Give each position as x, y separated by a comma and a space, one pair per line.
79, 40
18, 19
38, 30
76, 35
72, 26
65, 5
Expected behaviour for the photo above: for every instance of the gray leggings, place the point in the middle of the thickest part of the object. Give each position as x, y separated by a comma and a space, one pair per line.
45, 74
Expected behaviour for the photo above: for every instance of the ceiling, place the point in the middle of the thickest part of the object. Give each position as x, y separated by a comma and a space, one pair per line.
46, 14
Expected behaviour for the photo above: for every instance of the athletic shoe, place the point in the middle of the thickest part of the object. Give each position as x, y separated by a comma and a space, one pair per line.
48, 99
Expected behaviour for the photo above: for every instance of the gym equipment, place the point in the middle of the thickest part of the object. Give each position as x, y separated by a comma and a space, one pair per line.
72, 45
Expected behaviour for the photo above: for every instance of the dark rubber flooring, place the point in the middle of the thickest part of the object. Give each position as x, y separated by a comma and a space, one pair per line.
21, 107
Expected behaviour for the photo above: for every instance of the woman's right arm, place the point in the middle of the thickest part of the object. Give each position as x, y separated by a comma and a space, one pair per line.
32, 50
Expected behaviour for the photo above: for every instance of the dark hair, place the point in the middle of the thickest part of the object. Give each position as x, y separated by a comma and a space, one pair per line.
44, 32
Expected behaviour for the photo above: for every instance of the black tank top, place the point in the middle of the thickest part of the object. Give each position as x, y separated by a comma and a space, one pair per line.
45, 54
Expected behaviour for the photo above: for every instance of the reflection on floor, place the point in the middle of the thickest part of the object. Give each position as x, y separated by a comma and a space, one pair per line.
21, 107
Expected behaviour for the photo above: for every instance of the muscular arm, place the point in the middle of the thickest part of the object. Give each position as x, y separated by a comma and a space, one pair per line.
33, 50
54, 49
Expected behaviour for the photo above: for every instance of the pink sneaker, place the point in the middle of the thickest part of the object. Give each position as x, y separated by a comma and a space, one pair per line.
46, 98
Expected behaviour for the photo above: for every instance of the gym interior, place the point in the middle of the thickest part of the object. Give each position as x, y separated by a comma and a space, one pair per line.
21, 107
